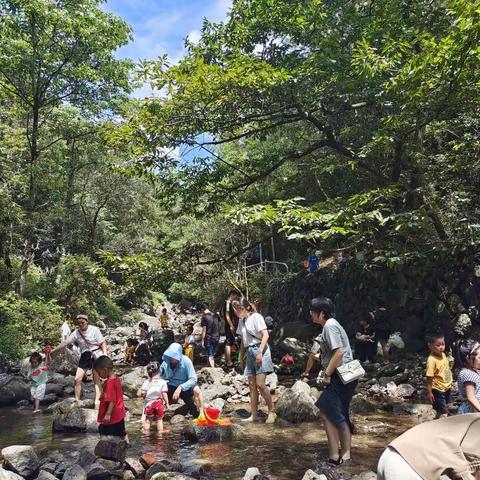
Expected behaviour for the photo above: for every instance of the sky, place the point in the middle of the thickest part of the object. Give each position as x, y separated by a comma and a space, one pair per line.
161, 26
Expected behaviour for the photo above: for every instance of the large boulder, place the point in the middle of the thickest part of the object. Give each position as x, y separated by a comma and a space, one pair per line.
75, 419
12, 389
4, 364
296, 407
133, 380
64, 361
111, 449
22, 459
194, 433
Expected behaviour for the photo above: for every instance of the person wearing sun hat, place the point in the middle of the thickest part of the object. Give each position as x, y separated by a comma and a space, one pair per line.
444, 448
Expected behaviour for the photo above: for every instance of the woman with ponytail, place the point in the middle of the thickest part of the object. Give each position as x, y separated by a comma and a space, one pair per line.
255, 355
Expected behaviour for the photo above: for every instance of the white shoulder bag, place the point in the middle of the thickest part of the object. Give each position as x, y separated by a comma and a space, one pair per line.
350, 371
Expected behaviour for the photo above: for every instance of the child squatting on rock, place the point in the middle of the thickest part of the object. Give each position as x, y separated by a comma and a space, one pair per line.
111, 412
155, 392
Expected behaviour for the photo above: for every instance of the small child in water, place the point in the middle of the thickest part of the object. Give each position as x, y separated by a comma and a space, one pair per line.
38, 376
189, 344
155, 392
111, 412
439, 374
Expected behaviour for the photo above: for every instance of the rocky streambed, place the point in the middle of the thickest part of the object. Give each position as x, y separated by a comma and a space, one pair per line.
388, 402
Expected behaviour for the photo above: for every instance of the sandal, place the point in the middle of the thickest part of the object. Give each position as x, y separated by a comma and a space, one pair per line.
335, 463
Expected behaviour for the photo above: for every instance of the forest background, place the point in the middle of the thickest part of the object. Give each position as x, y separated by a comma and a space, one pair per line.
345, 128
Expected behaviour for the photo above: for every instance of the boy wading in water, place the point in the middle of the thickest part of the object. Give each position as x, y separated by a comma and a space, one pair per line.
439, 375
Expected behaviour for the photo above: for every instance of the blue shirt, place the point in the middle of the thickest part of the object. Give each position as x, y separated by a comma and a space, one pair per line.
183, 374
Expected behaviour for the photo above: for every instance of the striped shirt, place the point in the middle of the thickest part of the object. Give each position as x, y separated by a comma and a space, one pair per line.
467, 375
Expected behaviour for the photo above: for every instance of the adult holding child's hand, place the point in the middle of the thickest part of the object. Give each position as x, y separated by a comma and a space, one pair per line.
92, 344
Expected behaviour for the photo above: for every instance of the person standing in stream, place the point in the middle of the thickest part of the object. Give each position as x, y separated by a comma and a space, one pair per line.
91, 343
334, 403
255, 355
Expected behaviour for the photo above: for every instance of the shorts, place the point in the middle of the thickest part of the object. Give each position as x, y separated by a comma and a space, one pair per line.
382, 335
465, 407
251, 367
334, 402
211, 347
38, 391
440, 402
155, 410
113, 429
86, 360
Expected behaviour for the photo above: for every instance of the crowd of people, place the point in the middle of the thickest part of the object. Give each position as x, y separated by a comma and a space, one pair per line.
246, 332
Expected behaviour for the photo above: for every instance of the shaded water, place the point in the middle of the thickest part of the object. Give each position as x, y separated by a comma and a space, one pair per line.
283, 452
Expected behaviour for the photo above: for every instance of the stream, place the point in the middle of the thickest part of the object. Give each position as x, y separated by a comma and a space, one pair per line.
279, 451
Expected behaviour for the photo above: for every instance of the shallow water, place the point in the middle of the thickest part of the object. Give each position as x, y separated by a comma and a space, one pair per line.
283, 452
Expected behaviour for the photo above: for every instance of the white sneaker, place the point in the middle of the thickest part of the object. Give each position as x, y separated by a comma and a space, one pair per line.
272, 416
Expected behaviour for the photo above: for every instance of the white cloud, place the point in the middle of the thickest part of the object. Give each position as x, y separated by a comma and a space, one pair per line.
194, 36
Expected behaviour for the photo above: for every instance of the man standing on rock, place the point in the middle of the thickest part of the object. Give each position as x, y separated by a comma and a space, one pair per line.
231, 324
177, 369
91, 343
210, 336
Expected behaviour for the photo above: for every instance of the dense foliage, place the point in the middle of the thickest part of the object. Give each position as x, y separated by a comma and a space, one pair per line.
293, 126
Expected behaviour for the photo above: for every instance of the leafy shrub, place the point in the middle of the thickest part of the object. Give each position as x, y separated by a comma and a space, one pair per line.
109, 309
27, 324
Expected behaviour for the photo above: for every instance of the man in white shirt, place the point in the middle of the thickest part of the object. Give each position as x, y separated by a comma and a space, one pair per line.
65, 329
91, 343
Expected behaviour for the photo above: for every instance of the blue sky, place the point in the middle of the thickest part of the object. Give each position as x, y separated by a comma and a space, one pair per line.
160, 26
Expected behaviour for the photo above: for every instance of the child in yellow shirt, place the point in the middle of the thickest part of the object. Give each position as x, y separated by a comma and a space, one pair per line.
189, 344
439, 374
164, 319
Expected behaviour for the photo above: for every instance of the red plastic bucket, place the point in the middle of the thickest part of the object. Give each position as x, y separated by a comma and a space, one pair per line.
211, 415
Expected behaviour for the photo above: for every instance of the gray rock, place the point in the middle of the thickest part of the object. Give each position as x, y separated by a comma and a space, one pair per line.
178, 420
251, 473
76, 419
128, 475
210, 376
171, 476
218, 403
135, 466
44, 475
296, 407
217, 390
301, 387
361, 406
133, 380
405, 390
272, 380
22, 459
8, 475
87, 457
111, 449
75, 472
96, 471
311, 475
64, 361
109, 464
164, 465
12, 389
49, 467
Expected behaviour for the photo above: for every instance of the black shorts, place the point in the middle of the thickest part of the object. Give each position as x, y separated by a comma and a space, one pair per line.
382, 335
440, 401
114, 430
86, 360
